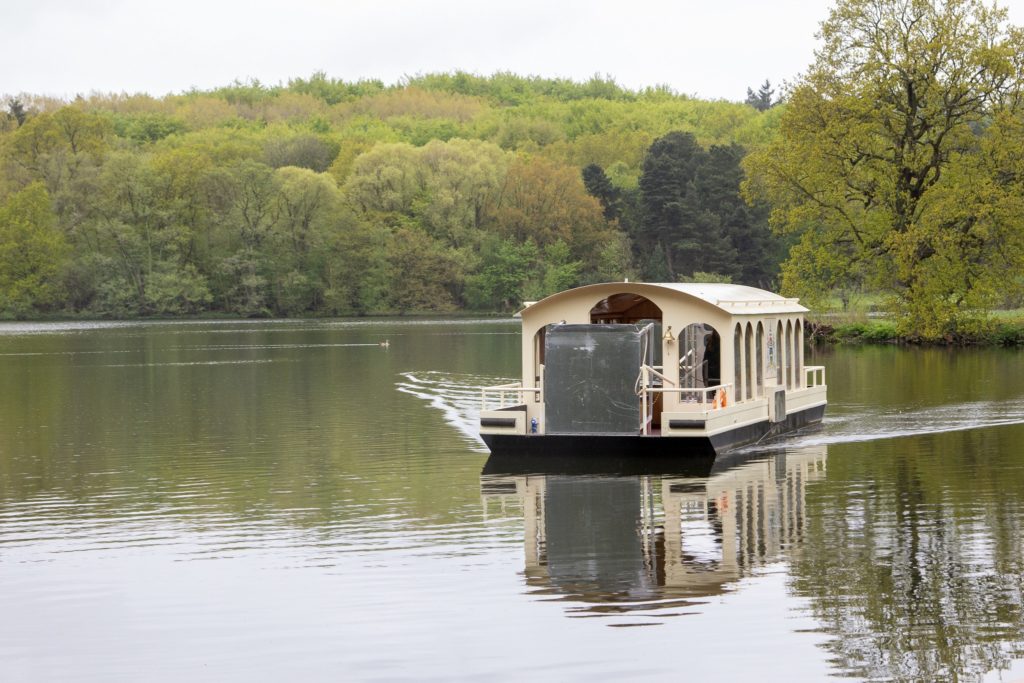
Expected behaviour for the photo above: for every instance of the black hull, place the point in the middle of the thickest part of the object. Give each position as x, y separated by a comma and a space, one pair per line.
625, 448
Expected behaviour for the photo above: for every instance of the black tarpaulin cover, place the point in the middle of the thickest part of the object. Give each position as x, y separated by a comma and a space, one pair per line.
590, 378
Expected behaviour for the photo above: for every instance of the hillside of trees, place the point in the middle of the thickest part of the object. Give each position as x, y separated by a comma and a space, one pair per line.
325, 197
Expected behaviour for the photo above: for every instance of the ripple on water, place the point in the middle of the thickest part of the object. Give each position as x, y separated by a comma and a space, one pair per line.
873, 423
457, 396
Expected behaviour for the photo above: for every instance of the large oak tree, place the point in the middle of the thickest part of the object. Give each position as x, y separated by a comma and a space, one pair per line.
885, 164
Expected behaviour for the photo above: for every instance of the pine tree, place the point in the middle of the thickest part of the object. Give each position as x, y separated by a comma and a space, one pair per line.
758, 252
16, 110
600, 186
762, 99
674, 217
694, 219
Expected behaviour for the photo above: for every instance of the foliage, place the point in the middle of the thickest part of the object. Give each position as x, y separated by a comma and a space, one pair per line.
326, 197
897, 164
599, 185
32, 253
762, 99
894, 167
693, 219
16, 110
1007, 333
874, 331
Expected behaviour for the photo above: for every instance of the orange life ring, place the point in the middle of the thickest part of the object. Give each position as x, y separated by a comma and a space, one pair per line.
720, 400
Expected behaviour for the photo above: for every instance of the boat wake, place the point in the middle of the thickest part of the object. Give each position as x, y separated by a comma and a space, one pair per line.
456, 396
854, 427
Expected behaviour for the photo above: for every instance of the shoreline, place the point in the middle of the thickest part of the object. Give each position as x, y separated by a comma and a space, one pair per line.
875, 331
1009, 333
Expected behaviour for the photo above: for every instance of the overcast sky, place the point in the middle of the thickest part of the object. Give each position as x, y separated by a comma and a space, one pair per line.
711, 48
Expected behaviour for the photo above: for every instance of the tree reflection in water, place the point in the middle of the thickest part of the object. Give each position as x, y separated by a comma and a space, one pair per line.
913, 558
906, 588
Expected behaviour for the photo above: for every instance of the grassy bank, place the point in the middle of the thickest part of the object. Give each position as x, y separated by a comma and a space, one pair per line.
1006, 329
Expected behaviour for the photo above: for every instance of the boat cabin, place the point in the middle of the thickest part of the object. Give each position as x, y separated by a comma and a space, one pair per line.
627, 365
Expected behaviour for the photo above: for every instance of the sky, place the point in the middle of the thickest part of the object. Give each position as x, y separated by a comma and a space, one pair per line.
713, 49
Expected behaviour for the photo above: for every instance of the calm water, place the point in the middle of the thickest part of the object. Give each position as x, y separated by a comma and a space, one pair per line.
255, 501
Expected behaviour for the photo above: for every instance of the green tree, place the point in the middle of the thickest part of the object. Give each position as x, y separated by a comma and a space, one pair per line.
762, 99
502, 279
885, 128
16, 110
676, 224
307, 205
425, 276
599, 185
314, 152
142, 244
547, 202
148, 127
558, 271
460, 181
32, 253
758, 252
387, 178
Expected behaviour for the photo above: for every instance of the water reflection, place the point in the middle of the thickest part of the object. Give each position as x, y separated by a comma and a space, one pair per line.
654, 545
914, 560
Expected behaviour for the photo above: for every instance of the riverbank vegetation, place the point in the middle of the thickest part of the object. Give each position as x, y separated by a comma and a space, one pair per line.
894, 166
322, 197
1002, 331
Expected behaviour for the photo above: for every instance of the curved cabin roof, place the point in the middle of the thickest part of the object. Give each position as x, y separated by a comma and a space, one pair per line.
732, 299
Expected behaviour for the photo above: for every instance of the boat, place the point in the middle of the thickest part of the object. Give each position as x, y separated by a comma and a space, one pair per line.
668, 369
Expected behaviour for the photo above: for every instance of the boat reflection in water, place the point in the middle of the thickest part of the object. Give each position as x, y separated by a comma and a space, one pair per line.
652, 542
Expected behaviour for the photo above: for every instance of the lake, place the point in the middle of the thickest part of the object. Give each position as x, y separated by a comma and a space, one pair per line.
258, 500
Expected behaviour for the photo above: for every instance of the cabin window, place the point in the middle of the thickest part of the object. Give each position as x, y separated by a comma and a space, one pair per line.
780, 372
625, 309
629, 309
789, 354
798, 352
759, 355
700, 365
748, 350
737, 346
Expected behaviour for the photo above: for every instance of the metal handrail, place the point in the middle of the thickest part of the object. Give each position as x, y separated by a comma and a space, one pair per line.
704, 391
814, 376
651, 369
645, 389
503, 390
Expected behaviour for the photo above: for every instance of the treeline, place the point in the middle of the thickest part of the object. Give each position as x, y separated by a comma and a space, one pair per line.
327, 197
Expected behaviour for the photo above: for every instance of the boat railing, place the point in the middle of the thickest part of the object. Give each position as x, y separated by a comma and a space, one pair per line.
499, 394
648, 370
699, 400
815, 376
702, 398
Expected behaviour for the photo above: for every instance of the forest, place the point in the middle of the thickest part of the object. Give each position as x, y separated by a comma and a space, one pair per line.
326, 197
891, 169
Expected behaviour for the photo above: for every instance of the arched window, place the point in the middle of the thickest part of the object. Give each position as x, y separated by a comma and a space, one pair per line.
780, 351
759, 356
789, 354
700, 364
798, 352
625, 308
737, 345
748, 350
